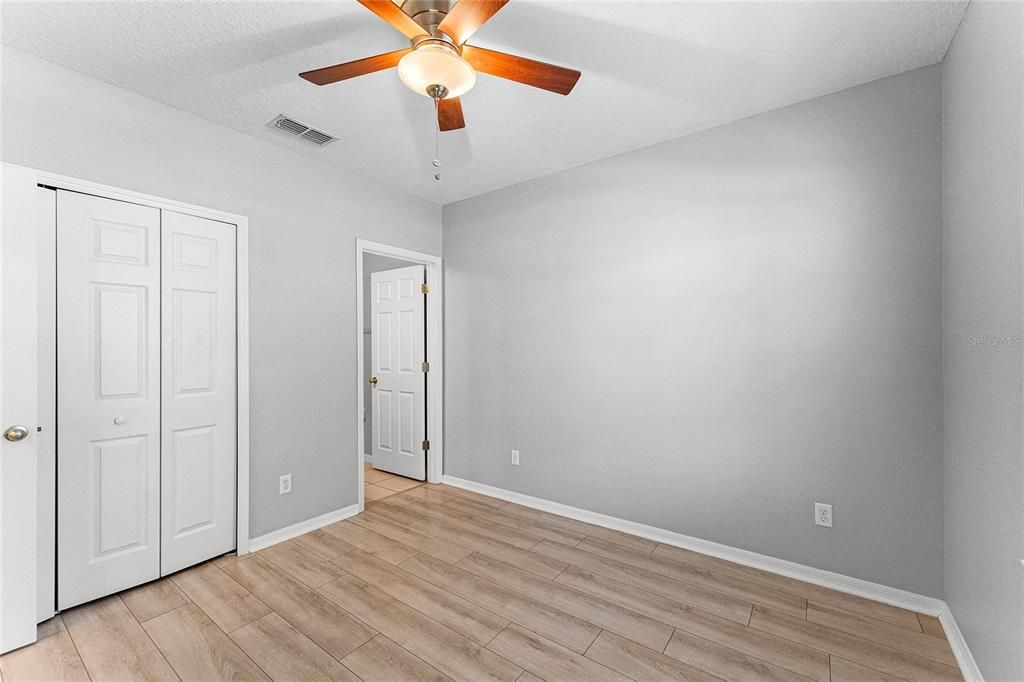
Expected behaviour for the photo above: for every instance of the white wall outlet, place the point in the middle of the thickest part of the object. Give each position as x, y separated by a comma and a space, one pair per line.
822, 514
284, 484
515, 458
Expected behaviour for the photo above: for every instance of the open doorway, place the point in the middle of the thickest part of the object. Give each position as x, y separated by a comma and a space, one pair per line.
399, 313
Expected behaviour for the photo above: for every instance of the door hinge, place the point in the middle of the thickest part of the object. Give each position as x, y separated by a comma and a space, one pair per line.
426, 445
425, 366
425, 288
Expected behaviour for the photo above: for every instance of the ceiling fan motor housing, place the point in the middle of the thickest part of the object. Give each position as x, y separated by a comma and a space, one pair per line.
429, 14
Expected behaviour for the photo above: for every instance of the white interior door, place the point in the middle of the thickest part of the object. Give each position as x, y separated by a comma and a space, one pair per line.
198, 389
108, 396
399, 350
18, 407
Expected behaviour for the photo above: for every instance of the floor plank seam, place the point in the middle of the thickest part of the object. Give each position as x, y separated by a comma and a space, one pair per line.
153, 641
612, 669
674, 631
498, 634
555, 579
599, 633
77, 652
254, 662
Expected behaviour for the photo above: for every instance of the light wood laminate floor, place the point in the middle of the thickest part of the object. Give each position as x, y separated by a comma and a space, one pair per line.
436, 583
380, 484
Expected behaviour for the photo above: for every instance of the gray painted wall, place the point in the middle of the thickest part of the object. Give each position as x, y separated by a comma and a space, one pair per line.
304, 219
371, 263
983, 183
711, 334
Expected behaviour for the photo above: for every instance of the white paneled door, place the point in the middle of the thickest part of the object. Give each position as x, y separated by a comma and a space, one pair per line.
108, 396
146, 394
397, 310
198, 390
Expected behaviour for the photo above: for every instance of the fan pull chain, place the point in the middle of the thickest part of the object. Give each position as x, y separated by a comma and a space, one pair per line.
437, 142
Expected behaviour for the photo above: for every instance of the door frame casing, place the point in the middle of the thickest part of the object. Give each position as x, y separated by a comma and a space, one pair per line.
28, 179
435, 355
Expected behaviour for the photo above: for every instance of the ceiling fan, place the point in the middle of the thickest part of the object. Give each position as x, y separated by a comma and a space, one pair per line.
439, 64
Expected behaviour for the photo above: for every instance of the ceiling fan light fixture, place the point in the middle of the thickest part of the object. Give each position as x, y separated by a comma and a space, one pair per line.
436, 63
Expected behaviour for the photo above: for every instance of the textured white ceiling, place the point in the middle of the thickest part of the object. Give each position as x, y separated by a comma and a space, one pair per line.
652, 71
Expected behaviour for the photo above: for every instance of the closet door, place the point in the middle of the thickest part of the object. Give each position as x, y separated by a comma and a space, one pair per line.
108, 396
199, 402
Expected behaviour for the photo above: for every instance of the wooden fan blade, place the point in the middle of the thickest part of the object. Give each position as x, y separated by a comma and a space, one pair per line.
393, 14
449, 114
360, 67
521, 70
467, 16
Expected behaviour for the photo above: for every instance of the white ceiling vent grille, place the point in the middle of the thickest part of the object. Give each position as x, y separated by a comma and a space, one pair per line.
301, 130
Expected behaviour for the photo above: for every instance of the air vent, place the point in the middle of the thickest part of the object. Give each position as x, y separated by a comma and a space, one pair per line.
296, 129
316, 137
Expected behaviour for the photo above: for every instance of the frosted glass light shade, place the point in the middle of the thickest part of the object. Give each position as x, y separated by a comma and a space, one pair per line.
435, 64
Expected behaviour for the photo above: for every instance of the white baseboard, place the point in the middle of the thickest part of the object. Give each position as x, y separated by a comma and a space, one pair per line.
817, 576
301, 528
968, 666
368, 459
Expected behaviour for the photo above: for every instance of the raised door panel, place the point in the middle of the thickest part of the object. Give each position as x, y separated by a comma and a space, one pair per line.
118, 474
198, 390
407, 343
397, 355
383, 343
192, 467
406, 423
108, 402
120, 340
195, 342
382, 420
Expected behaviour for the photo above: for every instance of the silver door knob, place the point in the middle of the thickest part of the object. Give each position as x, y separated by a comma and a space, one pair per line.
16, 433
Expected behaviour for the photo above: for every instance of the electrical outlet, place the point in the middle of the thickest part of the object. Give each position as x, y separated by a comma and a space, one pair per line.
515, 458
284, 484
822, 514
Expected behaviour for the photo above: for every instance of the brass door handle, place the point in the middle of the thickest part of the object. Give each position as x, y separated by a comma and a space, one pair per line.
373, 380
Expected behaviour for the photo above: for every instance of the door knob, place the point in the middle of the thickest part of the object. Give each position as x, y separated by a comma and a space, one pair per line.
373, 380
16, 433
119, 420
